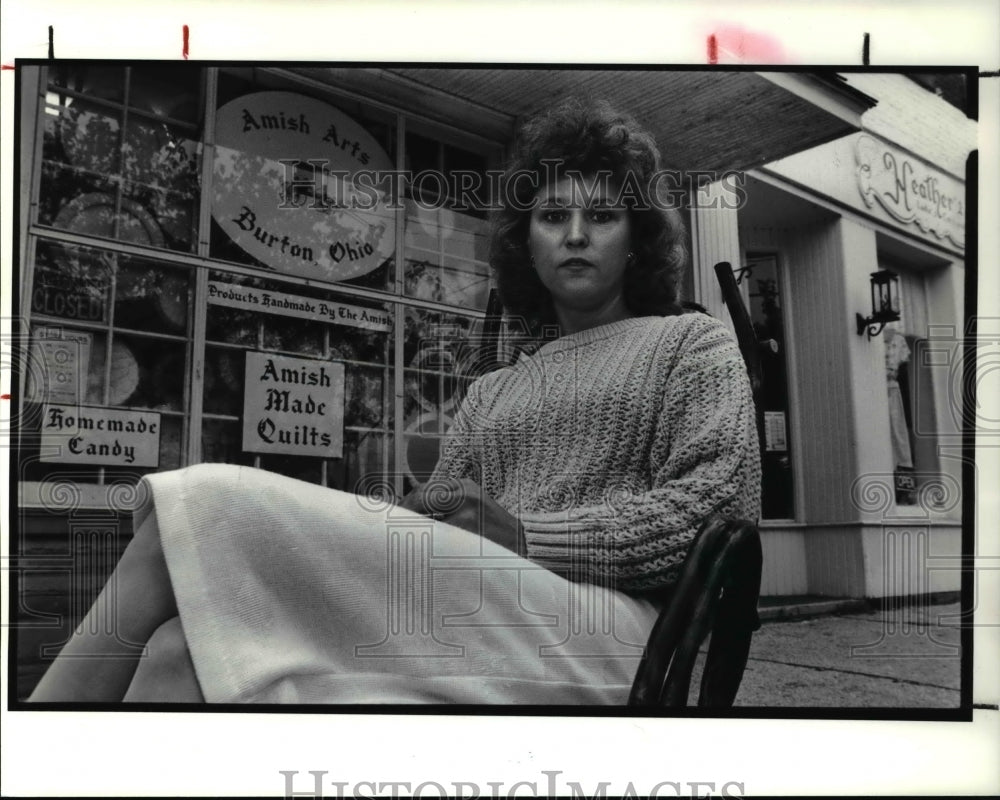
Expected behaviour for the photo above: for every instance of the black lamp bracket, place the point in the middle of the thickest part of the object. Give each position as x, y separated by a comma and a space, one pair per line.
743, 272
870, 324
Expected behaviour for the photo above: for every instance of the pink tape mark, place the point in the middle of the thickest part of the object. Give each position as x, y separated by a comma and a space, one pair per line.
186, 34
734, 44
4, 397
6, 66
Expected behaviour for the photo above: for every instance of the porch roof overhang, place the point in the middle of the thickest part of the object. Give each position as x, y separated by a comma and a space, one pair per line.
718, 119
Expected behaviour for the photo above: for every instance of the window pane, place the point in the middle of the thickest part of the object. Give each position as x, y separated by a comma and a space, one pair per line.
81, 203
223, 391
151, 296
364, 397
84, 135
107, 83
232, 325
140, 184
162, 168
71, 282
365, 463
161, 155
304, 469
431, 331
439, 349
168, 91
422, 447
77, 201
422, 154
171, 442
446, 257
299, 336
221, 443
147, 373
97, 369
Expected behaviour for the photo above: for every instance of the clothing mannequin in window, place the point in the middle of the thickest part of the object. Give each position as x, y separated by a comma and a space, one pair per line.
897, 352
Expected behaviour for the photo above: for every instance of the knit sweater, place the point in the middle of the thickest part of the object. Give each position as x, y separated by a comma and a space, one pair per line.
611, 445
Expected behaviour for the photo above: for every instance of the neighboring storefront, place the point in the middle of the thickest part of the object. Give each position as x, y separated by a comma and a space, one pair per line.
179, 311
863, 460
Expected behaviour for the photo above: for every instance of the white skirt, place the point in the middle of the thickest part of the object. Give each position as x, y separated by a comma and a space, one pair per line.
292, 593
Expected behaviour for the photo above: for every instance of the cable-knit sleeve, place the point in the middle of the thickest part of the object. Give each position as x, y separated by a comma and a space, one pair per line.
704, 459
459, 455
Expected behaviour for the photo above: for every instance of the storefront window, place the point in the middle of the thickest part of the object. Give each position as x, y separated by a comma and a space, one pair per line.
110, 340
447, 236
121, 154
910, 391
303, 328
440, 356
313, 289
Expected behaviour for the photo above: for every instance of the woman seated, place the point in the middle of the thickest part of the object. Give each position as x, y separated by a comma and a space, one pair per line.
527, 569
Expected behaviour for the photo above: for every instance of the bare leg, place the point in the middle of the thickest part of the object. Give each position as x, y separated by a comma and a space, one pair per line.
98, 662
167, 675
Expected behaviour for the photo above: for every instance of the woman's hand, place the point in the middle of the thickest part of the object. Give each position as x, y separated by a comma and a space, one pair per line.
464, 504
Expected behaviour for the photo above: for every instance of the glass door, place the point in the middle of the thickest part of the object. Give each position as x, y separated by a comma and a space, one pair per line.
765, 305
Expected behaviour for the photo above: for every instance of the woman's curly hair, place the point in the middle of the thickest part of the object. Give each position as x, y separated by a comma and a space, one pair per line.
589, 136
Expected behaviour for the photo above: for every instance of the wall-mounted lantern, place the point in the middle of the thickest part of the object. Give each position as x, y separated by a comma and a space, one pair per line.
885, 303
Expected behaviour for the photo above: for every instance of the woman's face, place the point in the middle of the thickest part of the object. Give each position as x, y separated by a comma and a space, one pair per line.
580, 237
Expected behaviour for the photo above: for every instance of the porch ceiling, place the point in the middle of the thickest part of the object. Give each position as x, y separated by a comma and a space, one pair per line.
704, 120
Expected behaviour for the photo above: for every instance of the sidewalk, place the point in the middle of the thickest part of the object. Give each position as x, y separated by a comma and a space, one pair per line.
903, 658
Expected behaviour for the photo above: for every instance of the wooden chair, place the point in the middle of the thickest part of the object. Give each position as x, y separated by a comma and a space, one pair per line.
716, 593
719, 584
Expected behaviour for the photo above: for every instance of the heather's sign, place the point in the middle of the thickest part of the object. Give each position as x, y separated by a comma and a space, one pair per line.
300, 186
293, 406
911, 191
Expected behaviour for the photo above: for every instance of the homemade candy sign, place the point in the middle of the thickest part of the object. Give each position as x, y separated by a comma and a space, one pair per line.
90, 435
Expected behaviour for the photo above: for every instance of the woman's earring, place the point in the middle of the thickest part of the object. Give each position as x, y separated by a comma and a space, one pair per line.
630, 259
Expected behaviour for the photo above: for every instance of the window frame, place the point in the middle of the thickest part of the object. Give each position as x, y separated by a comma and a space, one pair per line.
200, 263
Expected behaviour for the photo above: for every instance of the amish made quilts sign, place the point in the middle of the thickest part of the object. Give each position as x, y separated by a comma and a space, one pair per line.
293, 406
299, 186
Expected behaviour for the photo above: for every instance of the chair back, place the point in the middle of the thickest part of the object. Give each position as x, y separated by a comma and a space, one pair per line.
746, 336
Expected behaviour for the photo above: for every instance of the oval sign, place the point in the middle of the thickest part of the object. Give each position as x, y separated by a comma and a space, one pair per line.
298, 186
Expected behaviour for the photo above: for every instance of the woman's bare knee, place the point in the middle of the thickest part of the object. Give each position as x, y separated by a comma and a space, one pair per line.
166, 672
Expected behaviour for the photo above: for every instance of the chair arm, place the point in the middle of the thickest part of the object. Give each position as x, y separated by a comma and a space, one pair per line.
719, 586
